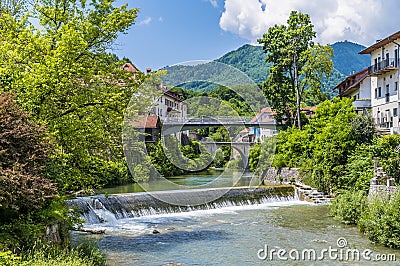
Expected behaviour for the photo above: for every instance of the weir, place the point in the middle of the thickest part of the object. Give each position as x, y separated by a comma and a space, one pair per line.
99, 208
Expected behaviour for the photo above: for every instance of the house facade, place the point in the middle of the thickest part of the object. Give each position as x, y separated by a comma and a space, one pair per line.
358, 87
257, 133
384, 81
169, 104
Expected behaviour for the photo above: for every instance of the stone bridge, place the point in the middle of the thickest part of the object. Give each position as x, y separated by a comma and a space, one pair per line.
243, 148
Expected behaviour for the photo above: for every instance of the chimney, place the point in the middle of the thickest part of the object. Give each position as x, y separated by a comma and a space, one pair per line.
148, 70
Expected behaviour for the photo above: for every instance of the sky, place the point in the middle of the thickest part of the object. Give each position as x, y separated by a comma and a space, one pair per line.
167, 32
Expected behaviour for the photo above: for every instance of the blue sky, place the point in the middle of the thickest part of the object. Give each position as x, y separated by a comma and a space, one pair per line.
167, 32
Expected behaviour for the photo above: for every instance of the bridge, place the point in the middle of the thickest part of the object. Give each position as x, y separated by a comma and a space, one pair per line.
242, 147
173, 125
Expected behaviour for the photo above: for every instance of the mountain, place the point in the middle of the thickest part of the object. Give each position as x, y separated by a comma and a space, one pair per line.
346, 58
251, 60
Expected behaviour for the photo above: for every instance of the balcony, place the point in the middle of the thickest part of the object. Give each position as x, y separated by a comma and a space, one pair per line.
361, 104
384, 66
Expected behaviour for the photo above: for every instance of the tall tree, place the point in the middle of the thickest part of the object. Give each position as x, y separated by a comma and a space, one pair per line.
298, 64
64, 77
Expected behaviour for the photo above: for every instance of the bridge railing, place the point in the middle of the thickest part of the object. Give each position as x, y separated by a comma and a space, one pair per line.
207, 119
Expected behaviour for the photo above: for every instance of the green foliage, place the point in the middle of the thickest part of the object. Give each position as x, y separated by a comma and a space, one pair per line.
359, 169
298, 65
250, 60
63, 76
232, 99
262, 155
346, 58
328, 150
348, 206
7, 258
389, 158
235, 164
86, 254
380, 221
254, 156
188, 158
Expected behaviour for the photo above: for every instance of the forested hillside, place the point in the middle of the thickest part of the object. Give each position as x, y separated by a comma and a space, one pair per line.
251, 60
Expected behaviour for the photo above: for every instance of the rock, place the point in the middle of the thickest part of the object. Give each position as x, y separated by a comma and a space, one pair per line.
84, 193
92, 231
171, 228
155, 231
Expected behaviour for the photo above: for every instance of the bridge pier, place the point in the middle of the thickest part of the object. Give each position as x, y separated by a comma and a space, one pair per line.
243, 148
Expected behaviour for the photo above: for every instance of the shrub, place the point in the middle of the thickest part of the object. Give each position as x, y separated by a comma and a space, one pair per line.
348, 206
380, 221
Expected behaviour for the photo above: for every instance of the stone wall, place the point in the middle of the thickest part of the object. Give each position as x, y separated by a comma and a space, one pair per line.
277, 176
381, 183
382, 190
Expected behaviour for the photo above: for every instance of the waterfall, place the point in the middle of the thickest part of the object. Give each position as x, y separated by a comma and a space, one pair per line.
102, 208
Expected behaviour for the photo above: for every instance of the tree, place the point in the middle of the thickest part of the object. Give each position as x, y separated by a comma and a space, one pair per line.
64, 77
298, 65
24, 151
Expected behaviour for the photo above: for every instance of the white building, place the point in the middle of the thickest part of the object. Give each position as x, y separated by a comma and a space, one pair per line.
358, 87
169, 104
384, 73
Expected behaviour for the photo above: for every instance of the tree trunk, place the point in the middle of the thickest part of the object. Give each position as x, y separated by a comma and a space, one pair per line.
298, 97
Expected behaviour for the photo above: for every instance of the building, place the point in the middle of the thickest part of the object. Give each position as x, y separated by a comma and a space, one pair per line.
150, 125
169, 104
265, 115
358, 87
308, 111
384, 74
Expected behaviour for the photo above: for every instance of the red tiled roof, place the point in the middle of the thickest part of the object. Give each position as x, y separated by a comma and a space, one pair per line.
130, 67
266, 110
150, 121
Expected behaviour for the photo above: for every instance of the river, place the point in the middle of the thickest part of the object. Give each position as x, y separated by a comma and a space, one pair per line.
236, 235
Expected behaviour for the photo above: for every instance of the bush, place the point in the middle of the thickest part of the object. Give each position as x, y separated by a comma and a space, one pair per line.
85, 254
380, 221
348, 206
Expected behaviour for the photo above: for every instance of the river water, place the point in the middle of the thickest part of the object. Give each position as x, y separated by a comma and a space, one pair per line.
237, 235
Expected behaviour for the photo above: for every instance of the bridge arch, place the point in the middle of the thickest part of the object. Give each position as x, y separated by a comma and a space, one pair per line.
243, 148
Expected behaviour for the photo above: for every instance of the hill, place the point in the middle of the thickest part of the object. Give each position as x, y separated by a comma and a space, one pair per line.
251, 60
346, 58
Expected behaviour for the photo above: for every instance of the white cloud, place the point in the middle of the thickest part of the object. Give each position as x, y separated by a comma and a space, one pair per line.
214, 3
146, 21
361, 21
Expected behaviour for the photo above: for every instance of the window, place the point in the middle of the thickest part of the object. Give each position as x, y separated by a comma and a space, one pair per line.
379, 92
394, 112
396, 85
387, 95
376, 93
